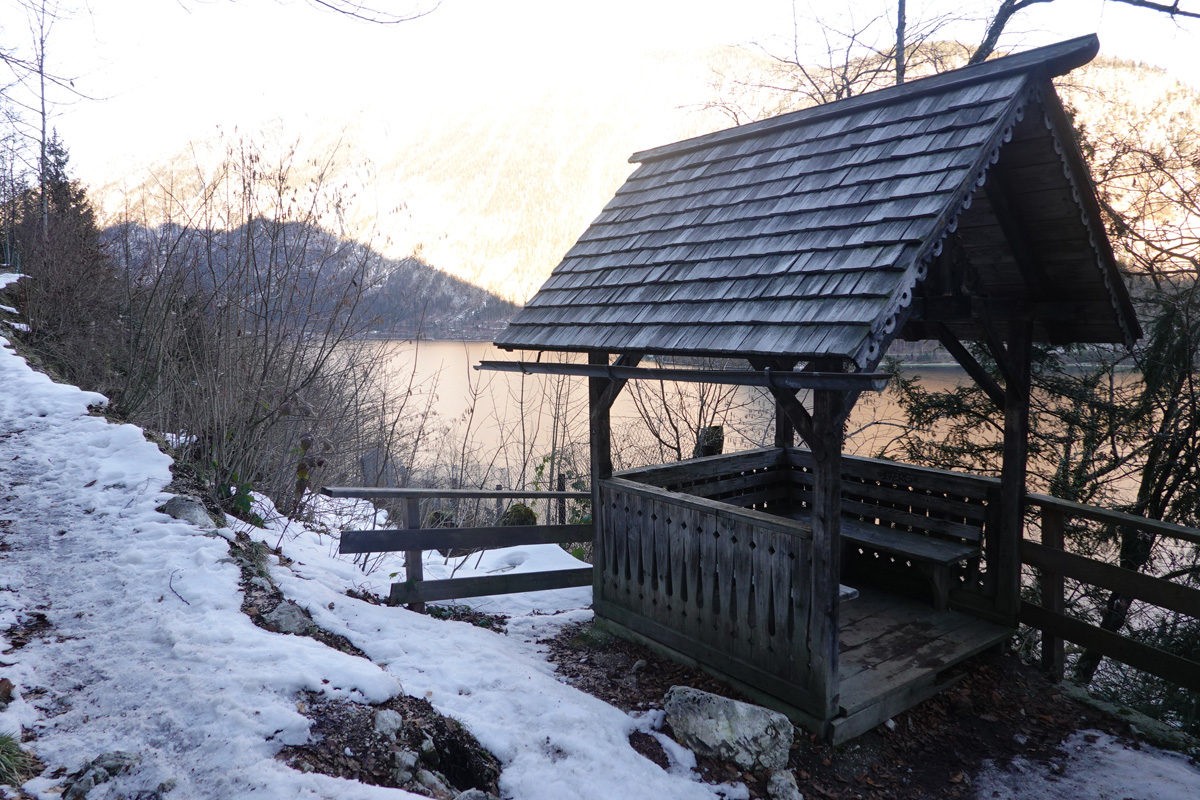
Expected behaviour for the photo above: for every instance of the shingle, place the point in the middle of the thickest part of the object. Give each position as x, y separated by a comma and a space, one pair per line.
789, 242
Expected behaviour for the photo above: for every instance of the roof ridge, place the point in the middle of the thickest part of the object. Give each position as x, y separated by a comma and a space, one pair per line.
1052, 60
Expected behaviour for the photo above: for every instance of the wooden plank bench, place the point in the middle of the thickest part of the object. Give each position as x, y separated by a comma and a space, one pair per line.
935, 528
933, 557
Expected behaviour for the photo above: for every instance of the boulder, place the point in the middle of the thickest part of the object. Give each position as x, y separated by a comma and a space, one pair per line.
475, 794
188, 509
404, 765
750, 736
388, 722
782, 786
287, 617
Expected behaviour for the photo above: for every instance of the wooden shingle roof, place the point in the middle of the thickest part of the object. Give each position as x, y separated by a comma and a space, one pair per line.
810, 235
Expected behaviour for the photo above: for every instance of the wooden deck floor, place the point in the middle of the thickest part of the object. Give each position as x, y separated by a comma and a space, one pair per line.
893, 651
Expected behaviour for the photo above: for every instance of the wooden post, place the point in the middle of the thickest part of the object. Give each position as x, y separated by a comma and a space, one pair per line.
562, 501
785, 431
413, 570
600, 436
1012, 473
826, 548
1053, 656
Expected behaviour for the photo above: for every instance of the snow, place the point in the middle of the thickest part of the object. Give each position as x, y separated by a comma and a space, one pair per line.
149, 652
1097, 766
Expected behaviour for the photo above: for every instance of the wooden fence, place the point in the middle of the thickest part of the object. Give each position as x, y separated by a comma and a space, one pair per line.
726, 586
414, 539
1055, 564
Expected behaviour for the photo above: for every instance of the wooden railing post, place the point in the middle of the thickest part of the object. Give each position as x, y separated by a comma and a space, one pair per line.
1053, 524
825, 566
562, 501
413, 571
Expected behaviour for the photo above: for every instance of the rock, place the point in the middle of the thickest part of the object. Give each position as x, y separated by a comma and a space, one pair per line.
98, 771
404, 763
288, 618
262, 583
188, 509
435, 784
710, 725
475, 794
388, 722
782, 786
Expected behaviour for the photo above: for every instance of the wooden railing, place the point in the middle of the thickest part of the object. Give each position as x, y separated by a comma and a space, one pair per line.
726, 586
1055, 564
414, 539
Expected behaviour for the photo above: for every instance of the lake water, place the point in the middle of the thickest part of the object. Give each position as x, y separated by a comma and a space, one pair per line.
510, 423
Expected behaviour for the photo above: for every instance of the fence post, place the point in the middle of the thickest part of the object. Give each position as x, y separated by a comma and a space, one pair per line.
1053, 657
499, 503
412, 558
562, 501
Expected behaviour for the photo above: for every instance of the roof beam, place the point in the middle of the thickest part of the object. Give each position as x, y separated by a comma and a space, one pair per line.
767, 378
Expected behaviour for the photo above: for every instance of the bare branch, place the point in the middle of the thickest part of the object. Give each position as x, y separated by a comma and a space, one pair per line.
1172, 9
365, 12
996, 27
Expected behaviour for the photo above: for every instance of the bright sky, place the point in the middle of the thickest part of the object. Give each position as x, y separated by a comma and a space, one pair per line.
162, 72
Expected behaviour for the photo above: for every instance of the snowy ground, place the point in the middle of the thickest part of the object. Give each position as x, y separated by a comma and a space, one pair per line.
147, 650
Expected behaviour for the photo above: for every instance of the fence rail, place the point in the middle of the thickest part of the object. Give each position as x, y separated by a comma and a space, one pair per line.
1055, 565
414, 539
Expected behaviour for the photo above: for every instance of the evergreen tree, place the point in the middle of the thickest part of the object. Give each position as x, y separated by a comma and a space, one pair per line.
71, 295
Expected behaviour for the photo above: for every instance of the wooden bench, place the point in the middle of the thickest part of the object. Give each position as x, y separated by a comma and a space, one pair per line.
933, 557
935, 529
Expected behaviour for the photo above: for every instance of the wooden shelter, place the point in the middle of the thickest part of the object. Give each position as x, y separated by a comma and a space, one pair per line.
955, 208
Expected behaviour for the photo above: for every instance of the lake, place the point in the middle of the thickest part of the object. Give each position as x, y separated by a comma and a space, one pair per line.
510, 423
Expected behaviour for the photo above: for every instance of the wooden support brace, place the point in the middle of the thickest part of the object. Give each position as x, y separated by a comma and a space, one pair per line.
968, 363
610, 393
801, 420
999, 352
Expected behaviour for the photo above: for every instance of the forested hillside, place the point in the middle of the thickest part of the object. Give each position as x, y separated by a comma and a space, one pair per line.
403, 298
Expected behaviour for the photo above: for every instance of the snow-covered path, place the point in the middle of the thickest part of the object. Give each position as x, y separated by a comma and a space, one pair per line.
147, 651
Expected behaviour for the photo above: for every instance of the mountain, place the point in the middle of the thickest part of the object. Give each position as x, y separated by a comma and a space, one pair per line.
493, 192
299, 269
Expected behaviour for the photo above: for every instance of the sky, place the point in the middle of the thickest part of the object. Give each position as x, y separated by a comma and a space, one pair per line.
153, 74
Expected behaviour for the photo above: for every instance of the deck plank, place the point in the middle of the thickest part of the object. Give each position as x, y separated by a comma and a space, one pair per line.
904, 645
